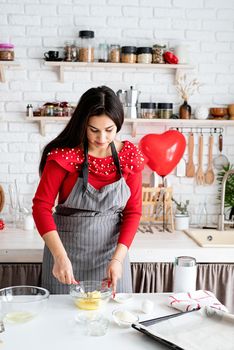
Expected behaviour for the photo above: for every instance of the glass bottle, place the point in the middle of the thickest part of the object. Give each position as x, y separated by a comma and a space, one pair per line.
202, 216
185, 110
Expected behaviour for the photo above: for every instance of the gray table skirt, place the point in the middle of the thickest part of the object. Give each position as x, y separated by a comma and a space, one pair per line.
146, 277
158, 277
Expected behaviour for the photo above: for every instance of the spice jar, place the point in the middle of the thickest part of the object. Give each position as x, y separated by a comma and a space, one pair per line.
86, 50
114, 54
103, 53
128, 54
7, 52
49, 110
165, 110
148, 110
144, 55
158, 51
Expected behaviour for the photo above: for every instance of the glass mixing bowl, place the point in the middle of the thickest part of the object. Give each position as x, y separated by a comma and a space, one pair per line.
90, 295
20, 304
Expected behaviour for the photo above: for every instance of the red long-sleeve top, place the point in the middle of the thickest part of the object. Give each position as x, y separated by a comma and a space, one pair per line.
60, 175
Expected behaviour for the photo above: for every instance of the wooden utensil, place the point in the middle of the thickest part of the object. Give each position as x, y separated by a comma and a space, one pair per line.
190, 167
209, 175
200, 174
221, 160
2, 198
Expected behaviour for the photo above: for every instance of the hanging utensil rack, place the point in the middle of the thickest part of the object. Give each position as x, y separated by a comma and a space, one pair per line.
198, 129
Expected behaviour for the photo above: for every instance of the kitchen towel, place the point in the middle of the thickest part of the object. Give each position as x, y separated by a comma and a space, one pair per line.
195, 300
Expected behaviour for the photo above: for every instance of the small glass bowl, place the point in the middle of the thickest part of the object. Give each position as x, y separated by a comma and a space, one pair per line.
90, 295
122, 298
21, 304
124, 318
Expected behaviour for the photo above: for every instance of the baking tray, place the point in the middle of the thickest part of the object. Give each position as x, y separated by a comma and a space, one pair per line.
202, 329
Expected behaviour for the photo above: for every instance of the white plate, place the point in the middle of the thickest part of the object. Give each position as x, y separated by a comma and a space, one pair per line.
122, 297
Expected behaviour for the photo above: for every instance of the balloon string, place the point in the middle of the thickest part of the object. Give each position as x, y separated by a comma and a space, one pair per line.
164, 205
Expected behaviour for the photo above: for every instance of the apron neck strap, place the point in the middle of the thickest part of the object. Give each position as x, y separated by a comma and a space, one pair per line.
85, 171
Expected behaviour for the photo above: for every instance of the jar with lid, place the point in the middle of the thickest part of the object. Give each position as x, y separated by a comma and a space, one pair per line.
68, 51
158, 51
103, 52
86, 49
165, 110
114, 53
148, 110
7, 52
185, 274
144, 55
49, 111
128, 54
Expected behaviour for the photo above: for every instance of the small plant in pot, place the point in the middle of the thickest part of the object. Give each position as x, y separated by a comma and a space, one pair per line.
182, 215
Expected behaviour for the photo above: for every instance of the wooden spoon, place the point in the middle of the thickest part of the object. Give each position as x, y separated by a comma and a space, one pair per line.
209, 175
190, 167
2, 198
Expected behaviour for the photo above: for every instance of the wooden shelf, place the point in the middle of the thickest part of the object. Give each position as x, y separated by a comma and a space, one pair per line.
9, 65
63, 65
42, 121
135, 122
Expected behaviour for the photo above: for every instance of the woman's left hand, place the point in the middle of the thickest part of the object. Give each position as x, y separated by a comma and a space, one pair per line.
114, 273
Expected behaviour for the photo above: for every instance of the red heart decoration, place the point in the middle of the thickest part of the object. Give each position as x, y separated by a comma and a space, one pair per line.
163, 151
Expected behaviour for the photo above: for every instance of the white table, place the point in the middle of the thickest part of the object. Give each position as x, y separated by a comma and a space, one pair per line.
56, 329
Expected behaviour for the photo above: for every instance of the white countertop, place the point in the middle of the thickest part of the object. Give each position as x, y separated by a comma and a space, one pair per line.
27, 246
56, 328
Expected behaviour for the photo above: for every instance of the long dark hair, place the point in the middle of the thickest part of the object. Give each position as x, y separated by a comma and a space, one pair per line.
94, 102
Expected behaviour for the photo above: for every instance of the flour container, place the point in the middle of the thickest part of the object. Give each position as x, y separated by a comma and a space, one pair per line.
185, 274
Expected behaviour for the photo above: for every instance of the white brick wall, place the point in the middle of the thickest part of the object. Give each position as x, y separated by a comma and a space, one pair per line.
35, 26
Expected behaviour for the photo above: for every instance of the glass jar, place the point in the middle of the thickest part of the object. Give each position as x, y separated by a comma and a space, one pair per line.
7, 52
103, 53
68, 51
86, 49
158, 51
148, 110
49, 110
165, 110
144, 55
128, 54
114, 54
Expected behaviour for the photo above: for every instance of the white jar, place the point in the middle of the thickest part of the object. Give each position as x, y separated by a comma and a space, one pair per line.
181, 222
201, 112
181, 51
28, 223
185, 274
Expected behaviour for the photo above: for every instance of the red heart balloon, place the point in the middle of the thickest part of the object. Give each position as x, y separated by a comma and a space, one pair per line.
163, 151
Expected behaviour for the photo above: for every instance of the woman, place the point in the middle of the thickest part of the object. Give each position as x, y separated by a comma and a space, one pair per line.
98, 182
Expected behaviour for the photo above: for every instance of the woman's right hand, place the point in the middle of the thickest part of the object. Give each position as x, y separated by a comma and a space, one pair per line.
62, 269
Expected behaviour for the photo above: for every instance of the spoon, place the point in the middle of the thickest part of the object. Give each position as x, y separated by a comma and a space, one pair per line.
209, 175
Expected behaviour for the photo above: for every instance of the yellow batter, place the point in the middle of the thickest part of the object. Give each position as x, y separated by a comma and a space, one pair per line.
90, 301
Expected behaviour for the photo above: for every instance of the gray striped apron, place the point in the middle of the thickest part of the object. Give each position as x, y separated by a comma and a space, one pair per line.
88, 223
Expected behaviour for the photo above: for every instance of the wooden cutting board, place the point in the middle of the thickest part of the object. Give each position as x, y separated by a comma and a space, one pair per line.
2, 198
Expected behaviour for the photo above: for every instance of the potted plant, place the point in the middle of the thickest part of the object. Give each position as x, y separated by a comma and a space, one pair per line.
229, 190
182, 215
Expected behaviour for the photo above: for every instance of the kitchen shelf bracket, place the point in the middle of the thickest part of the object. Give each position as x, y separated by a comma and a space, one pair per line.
61, 74
3, 65
42, 127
